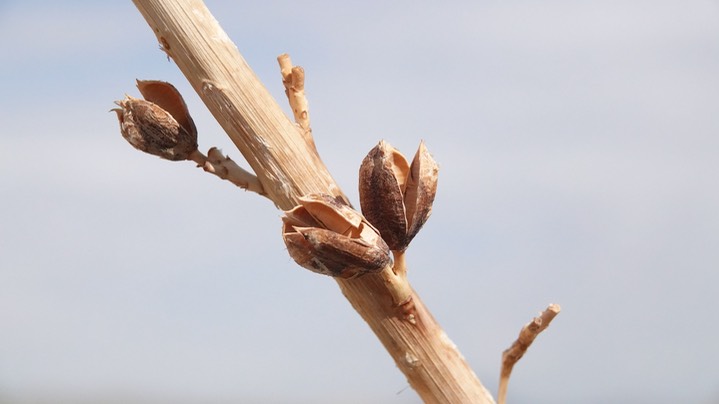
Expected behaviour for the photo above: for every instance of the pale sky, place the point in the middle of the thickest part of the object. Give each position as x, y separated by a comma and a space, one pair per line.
578, 150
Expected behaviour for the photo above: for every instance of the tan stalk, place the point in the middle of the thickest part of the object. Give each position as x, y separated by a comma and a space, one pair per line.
519, 347
293, 78
400, 263
225, 168
287, 168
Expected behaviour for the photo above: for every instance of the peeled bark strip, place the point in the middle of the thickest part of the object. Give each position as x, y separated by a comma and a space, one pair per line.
287, 169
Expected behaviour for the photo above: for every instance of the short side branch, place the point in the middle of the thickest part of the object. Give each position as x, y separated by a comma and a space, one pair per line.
225, 168
515, 352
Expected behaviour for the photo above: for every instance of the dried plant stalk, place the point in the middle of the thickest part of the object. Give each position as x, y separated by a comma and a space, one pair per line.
288, 168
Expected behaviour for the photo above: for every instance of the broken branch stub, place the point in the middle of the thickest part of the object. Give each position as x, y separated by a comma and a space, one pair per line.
519, 347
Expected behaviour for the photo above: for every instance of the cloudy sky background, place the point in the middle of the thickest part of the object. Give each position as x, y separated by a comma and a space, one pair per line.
578, 149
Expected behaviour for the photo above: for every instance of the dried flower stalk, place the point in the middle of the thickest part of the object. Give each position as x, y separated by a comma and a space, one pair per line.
288, 168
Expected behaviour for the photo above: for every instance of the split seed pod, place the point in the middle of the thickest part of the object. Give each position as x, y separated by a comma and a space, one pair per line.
397, 197
327, 236
160, 124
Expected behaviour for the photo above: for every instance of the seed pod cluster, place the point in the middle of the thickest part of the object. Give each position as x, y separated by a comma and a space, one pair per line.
327, 236
160, 124
395, 196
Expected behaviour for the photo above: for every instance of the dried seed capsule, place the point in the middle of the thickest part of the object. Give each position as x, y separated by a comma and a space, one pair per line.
166, 96
160, 124
382, 180
329, 237
397, 197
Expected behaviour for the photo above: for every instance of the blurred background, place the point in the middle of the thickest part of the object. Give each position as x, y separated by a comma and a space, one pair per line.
578, 151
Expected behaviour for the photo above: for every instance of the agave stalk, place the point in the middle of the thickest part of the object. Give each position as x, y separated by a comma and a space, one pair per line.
288, 168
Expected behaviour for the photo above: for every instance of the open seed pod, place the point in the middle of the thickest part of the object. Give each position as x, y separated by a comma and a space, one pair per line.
160, 124
395, 196
327, 236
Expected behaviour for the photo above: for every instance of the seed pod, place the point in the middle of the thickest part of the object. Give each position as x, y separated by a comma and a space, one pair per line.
397, 197
160, 124
382, 179
330, 238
